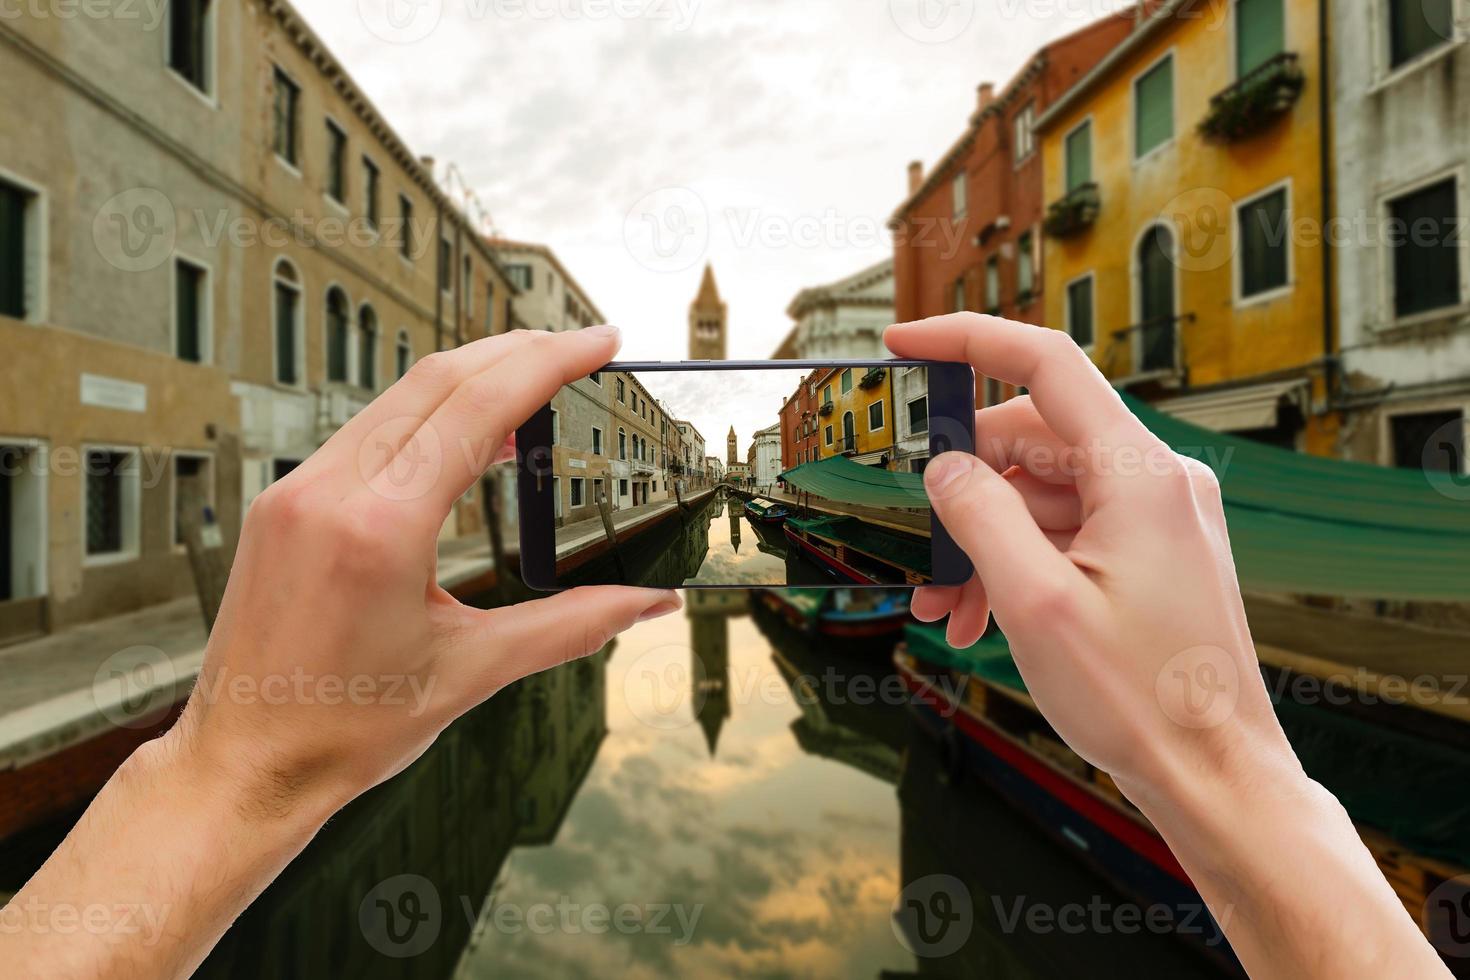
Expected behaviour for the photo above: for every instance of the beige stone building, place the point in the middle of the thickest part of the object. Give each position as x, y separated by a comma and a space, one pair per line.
548, 297
638, 423
225, 252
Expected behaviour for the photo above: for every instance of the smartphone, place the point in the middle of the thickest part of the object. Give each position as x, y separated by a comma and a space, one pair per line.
735, 474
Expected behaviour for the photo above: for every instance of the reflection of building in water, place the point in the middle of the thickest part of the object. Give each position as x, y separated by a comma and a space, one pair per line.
709, 667
735, 525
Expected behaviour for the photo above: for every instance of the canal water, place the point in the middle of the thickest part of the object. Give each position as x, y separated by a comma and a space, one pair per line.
713, 795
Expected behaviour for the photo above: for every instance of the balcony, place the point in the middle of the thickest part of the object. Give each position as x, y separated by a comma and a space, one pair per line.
1075, 212
643, 467
1256, 101
847, 444
1155, 351
826, 409
873, 378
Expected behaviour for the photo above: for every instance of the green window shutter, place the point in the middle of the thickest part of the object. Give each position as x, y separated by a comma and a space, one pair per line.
187, 283
1264, 244
1260, 33
12, 251
1426, 252
285, 335
1079, 157
1079, 312
1153, 109
1417, 26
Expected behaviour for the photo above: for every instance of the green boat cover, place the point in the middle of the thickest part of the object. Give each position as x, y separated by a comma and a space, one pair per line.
906, 552
1414, 790
839, 478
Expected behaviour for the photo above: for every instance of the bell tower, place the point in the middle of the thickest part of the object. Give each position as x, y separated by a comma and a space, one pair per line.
707, 321
730, 443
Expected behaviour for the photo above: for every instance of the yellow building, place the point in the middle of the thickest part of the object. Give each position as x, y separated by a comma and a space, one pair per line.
855, 415
1183, 177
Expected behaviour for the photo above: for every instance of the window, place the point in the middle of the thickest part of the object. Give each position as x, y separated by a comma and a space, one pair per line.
367, 349
992, 284
403, 356
847, 381
338, 314
467, 286
1425, 249
1025, 131
284, 118
489, 309
1079, 311
1079, 157
578, 489
193, 485
919, 415
405, 243
519, 275
1153, 108
1260, 33
370, 183
1418, 26
875, 416
555, 427
827, 434
110, 514
849, 432
596, 441
622, 488
827, 394
191, 311
959, 191
446, 268
190, 30
21, 254
288, 324
1025, 267
622, 392
1264, 244
1432, 441
622, 444
336, 163
957, 303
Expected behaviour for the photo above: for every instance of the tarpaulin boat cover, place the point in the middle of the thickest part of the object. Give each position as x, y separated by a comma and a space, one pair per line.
902, 550
1415, 790
1298, 523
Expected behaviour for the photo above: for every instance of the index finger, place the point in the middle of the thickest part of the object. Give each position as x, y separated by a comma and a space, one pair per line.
1069, 392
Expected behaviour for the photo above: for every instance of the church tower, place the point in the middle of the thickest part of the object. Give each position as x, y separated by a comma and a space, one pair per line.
707, 320
730, 442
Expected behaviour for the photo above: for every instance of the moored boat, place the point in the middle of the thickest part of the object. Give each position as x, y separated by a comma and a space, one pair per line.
766, 511
841, 613
853, 550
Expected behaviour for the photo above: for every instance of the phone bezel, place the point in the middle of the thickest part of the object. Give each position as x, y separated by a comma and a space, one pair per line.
952, 401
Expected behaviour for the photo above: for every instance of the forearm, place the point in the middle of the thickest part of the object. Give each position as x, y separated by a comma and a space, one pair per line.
162, 862
1284, 872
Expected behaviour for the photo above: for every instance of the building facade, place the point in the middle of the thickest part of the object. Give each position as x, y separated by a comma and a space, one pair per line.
968, 236
639, 424
855, 414
1180, 173
800, 431
709, 321
695, 469
911, 418
581, 425
1401, 141
842, 320
765, 456
266, 256
547, 296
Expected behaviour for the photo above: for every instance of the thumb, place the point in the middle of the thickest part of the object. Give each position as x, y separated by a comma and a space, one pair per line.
989, 520
500, 646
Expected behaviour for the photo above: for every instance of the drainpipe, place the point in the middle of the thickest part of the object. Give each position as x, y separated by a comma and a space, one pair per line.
1324, 109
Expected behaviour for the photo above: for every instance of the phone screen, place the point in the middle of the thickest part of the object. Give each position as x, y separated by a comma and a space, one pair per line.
687, 476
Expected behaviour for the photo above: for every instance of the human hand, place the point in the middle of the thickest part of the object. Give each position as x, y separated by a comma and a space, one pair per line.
333, 605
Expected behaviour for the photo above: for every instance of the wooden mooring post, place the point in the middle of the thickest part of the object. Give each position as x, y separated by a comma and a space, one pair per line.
605, 510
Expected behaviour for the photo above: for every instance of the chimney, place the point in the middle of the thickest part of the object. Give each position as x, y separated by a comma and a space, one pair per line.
916, 175
986, 96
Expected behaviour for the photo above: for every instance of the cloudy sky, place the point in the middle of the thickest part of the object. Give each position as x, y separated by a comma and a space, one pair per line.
641, 138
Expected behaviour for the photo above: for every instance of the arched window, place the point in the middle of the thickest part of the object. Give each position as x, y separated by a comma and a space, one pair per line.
286, 312
339, 313
1154, 287
404, 354
367, 348
849, 432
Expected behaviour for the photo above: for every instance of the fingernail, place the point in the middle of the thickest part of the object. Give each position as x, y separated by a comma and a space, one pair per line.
943, 475
603, 330
662, 608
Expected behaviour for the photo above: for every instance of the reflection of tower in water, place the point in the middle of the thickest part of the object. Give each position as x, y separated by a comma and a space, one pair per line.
709, 667
734, 527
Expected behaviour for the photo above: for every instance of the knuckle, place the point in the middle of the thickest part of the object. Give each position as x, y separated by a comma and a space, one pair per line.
285, 505
433, 370
1048, 601
1202, 478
